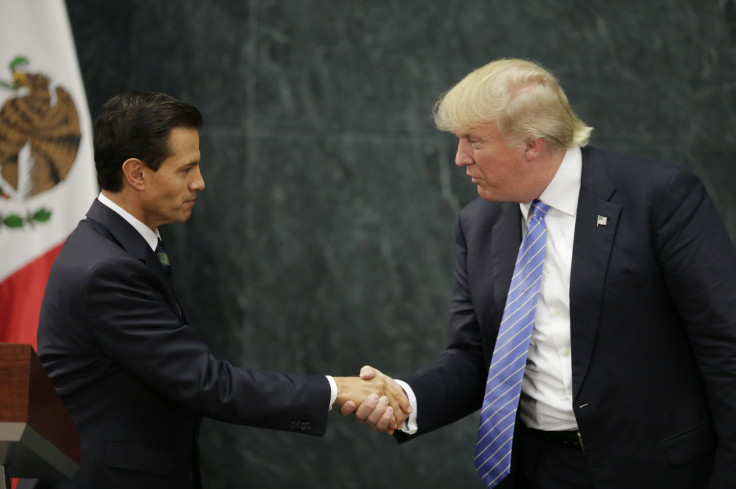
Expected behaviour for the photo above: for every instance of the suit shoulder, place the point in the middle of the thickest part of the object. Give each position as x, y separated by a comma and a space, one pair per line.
480, 208
90, 240
88, 246
627, 169
646, 186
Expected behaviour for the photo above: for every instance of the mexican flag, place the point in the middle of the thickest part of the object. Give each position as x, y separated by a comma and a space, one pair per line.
47, 175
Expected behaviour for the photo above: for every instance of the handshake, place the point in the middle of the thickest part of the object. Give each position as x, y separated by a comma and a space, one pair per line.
375, 399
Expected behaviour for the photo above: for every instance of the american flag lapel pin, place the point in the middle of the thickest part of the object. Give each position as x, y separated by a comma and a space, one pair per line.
602, 221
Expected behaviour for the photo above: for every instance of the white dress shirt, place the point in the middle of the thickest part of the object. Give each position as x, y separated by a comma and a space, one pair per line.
546, 390
151, 237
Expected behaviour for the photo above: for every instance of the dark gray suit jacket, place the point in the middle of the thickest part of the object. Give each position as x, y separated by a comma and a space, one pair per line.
653, 325
135, 377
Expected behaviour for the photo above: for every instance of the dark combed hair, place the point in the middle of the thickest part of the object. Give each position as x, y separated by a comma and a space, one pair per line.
137, 125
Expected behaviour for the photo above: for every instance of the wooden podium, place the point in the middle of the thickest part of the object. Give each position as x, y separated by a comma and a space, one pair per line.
37, 437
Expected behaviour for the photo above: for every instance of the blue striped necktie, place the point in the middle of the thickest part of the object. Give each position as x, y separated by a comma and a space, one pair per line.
493, 450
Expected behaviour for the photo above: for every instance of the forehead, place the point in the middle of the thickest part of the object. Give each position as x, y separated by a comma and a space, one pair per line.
183, 148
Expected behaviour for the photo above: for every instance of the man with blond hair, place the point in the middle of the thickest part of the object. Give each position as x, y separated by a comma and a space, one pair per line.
592, 315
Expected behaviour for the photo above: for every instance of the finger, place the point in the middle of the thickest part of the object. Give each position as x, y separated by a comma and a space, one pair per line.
398, 399
402, 400
348, 408
367, 372
397, 393
392, 426
367, 407
399, 418
375, 416
404, 404
386, 423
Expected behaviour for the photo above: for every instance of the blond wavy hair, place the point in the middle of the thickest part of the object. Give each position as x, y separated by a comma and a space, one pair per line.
524, 100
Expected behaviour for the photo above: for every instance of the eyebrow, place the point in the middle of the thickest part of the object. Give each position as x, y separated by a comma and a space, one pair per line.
188, 164
473, 135
468, 131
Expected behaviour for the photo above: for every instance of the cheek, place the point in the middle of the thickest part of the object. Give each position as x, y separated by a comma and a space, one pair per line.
171, 192
486, 165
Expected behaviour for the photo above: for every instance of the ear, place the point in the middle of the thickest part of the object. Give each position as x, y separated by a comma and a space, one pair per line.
133, 173
533, 148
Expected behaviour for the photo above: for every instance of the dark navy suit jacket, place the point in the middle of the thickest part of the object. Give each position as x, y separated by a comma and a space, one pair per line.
653, 325
135, 377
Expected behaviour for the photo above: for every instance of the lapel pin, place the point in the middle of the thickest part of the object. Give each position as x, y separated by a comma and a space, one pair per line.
602, 221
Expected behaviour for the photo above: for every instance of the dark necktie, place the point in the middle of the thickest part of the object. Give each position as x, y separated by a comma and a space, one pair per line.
163, 258
493, 449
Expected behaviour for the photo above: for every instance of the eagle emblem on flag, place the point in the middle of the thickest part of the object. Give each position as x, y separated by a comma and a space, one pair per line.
39, 139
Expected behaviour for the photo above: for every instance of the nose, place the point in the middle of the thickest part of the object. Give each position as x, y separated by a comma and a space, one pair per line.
462, 157
197, 183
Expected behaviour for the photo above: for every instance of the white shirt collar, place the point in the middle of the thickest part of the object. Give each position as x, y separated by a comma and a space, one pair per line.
151, 237
563, 191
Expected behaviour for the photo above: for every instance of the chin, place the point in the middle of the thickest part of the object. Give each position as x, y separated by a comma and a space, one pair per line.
486, 195
179, 219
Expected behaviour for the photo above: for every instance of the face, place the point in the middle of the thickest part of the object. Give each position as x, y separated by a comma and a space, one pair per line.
501, 171
170, 191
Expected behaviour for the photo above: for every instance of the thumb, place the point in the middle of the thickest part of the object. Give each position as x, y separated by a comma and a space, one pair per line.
367, 372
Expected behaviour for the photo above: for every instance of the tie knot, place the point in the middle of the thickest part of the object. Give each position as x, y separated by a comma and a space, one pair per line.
539, 208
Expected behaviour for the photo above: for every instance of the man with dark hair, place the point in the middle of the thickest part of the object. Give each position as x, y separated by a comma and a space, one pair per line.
116, 343
137, 123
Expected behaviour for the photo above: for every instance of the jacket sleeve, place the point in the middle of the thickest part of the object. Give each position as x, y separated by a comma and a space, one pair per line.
451, 387
699, 263
136, 326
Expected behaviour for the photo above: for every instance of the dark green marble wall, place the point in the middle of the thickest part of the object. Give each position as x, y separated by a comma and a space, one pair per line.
323, 239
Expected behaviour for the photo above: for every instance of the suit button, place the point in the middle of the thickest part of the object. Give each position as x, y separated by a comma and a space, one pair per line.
306, 426
293, 425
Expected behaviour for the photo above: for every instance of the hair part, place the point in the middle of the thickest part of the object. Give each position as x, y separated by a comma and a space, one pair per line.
523, 99
137, 125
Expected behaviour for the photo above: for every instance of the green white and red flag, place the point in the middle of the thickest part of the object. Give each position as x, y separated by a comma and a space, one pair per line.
47, 175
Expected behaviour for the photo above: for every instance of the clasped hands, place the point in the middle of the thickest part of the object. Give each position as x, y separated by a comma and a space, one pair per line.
375, 399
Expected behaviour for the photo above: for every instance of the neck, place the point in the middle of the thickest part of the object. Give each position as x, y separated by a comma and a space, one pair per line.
548, 163
128, 202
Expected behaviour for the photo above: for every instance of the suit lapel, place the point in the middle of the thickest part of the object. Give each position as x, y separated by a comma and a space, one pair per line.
506, 238
595, 228
126, 236
134, 244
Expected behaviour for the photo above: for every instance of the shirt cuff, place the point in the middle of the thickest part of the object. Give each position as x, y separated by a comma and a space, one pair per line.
333, 391
410, 425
